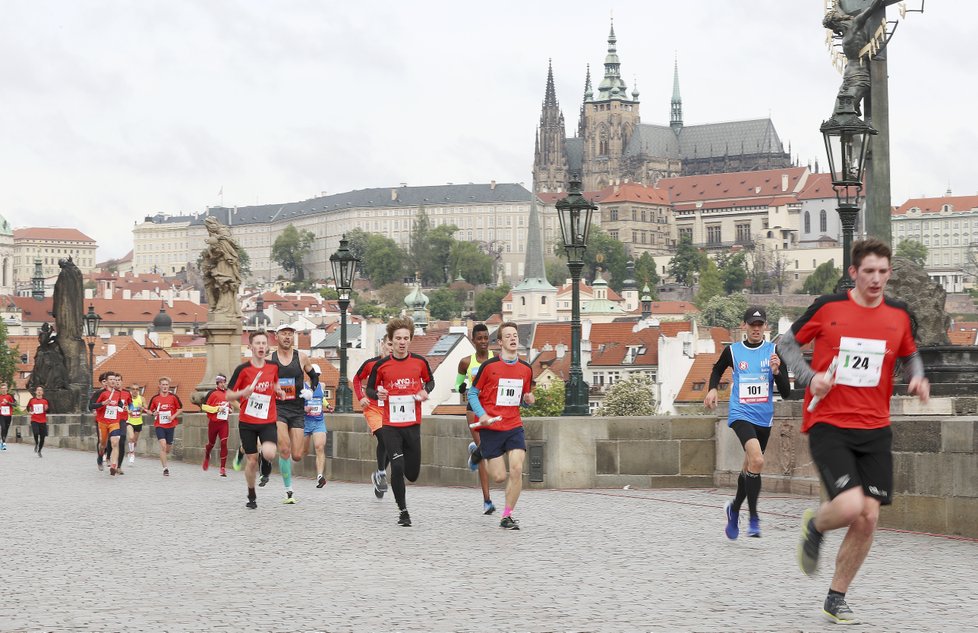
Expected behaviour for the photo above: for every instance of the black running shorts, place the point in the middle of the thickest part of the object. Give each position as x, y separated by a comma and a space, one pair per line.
747, 431
254, 434
847, 458
293, 419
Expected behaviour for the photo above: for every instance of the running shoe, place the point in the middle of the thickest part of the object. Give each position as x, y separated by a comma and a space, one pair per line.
251, 504
262, 481
236, 462
383, 482
39, 454
509, 523
3, 446
132, 458
487, 507
35, 448
375, 478
112, 470
118, 471
837, 611
474, 457
405, 519
809, 544
207, 462
320, 481
166, 472
754, 527
733, 522
224, 472
289, 498
98, 462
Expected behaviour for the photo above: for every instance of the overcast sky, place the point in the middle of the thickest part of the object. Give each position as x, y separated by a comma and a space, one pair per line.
110, 111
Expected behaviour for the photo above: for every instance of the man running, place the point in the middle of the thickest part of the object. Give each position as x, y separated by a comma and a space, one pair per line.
101, 444
166, 407
399, 384
374, 416
290, 407
315, 425
107, 406
756, 368
135, 426
858, 337
467, 369
38, 408
6, 414
501, 386
218, 410
256, 383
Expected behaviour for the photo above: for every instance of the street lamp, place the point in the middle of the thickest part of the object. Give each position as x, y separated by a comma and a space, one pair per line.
92, 321
344, 264
846, 141
574, 213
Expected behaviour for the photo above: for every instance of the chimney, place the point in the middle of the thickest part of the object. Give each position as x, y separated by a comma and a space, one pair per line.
492, 185
126, 294
393, 194
139, 336
784, 182
110, 349
108, 292
561, 349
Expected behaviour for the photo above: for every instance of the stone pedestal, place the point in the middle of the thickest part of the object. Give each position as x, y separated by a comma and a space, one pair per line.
223, 354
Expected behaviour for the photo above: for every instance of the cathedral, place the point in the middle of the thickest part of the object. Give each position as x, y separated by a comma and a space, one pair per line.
613, 146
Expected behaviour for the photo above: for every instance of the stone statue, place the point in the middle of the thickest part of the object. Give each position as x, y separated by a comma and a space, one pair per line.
49, 369
222, 271
909, 283
858, 37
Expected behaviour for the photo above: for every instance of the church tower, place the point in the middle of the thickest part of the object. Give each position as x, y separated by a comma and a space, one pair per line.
610, 117
550, 156
534, 298
676, 116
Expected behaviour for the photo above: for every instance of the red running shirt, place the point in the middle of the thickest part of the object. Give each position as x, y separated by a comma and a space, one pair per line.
41, 417
217, 398
360, 381
868, 342
111, 411
402, 378
6, 405
501, 389
163, 407
260, 407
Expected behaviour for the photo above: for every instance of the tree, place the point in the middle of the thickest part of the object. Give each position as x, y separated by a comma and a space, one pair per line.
912, 250
767, 267
725, 311
823, 279
441, 241
475, 265
604, 252
549, 401
635, 395
557, 271
490, 301
733, 271
774, 313
444, 304
392, 295
646, 273
382, 261
686, 261
8, 358
710, 284
357, 243
289, 249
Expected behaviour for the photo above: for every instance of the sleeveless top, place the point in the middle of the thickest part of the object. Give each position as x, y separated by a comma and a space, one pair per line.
752, 390
473, 368
290, 380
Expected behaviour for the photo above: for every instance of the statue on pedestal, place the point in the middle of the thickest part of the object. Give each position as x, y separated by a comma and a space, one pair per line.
221, 268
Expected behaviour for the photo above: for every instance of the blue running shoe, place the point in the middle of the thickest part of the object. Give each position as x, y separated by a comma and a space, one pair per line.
488, 507
733, 522
754, 527
473, 462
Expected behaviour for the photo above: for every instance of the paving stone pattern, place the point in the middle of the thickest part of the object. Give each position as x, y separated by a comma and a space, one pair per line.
83, 551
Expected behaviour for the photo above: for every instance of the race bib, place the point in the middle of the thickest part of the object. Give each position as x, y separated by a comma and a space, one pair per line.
5, 411
111, 412
258, 406
860, 362
223, 413
509, 393
401, 409
165, 417
38, 409
288, 386
754, 389
316, 406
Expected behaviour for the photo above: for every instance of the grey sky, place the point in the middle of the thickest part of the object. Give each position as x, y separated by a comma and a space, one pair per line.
110, 111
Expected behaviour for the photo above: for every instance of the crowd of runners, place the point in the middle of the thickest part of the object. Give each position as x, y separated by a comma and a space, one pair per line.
857, 337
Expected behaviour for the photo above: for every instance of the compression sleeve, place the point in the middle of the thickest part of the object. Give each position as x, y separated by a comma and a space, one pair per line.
473, 396
913, 367
782, 380
790, 352
725, 361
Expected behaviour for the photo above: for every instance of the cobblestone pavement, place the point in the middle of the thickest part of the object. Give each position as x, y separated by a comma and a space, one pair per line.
82, 551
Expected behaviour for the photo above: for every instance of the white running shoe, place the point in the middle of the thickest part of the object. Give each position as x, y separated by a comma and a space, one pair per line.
132, 458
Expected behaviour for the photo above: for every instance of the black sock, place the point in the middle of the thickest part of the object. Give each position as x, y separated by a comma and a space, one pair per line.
381, 456
251, 494
837, 594
753, 485
40, 444
265, 466
741, 493
476, 455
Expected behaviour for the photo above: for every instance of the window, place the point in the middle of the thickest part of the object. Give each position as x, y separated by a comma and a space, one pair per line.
743, 233
686, 233
634, 237
699, 385
823, 221
613, 214
613, 234
543, 301
808, 222
713, 234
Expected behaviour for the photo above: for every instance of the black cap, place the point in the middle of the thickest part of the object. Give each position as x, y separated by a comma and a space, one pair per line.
755, 314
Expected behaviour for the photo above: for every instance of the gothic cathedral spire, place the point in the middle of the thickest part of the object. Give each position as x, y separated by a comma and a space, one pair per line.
550, 159
588, 96
612, 86
676, 118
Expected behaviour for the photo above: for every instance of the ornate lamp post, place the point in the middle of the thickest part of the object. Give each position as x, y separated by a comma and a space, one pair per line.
574, 213
846, 141
344, 264
92, 321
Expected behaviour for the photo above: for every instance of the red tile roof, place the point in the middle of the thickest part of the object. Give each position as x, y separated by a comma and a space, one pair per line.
48, 233
962, 337
145, 367
765, 201
632, 192
729, 186
699, 376
817, 187
964, 326
936, 205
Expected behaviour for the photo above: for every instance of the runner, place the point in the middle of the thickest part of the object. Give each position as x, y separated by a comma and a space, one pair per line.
135, 420
107, 406
399, 384
101, 443
38, 408
7, 403
501, 386
218, 410
166, 408
374, 416
290, 407
467, 369
858, 337
256, 381
756, 368
315, 425
125, 402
